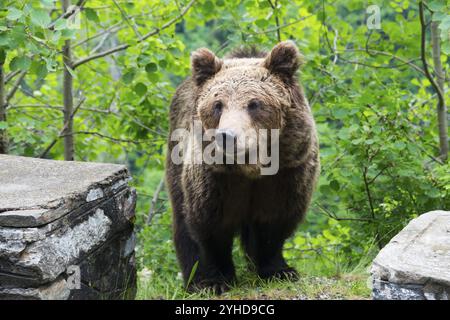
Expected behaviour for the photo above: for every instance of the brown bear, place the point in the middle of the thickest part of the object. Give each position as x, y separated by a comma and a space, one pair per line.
212, 203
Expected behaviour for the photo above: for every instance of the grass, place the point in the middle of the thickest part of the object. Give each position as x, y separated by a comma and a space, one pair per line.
322, 276
351, 286
315, 283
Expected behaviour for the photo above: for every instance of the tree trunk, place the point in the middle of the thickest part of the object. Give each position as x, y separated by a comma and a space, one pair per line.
152, 210
441, 107
68, 96
3, 137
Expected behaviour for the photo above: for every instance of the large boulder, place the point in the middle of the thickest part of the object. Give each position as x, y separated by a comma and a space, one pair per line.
415, 265
66, 230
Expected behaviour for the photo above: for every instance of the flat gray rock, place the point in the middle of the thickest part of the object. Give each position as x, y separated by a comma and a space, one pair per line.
416, 262
37, 191
66, 230
55, 291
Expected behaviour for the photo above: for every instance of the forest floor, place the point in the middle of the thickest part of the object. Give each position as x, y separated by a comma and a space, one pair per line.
249, 287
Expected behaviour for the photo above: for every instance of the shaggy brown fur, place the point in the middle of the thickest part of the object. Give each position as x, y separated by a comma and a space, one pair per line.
211, 206
246, 52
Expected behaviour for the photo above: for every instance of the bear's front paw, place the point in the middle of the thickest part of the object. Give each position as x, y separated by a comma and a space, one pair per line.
286, 273
215, 285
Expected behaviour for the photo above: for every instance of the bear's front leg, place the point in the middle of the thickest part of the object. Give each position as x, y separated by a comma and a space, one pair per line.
263, 244
204, 217
215, 268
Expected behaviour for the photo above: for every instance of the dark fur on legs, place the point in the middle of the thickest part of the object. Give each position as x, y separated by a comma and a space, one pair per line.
215, 267
263, 245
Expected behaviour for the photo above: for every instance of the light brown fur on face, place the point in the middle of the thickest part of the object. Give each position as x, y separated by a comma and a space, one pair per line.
236, 85
210, 207
239, 88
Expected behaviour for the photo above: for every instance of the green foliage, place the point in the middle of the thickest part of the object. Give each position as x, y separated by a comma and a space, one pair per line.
374, 107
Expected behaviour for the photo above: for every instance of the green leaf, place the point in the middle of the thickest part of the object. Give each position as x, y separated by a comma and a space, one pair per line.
56, 35
17, 36
400, 145
3, 125
344, 134
334, 184
208, 6
50, 63
20, 63
128, 76
446, 47
68, 33
445, 25
438, 16
327, 234
41, 70
143, 59
436, 5
192, 274
339, 113
140, 89
262, 23
48, 3
4, 40
153, 77
60, 24
434, 193
151, 67
40, 18
299, 240
162, 63
14, 14
91, 15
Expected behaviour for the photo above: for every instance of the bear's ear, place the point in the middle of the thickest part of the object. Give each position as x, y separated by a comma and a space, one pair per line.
205, 64
283, 60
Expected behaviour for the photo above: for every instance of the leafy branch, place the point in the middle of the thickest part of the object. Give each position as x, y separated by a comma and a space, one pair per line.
63, 130
143, 38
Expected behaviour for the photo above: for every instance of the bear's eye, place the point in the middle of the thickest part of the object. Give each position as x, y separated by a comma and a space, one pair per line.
217, 107
253, 105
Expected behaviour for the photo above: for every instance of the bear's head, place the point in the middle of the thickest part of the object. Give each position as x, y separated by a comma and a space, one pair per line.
237, 97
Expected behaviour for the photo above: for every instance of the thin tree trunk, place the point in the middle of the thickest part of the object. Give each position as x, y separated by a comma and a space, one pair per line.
68, 96
441, 107
152, 210
3, 137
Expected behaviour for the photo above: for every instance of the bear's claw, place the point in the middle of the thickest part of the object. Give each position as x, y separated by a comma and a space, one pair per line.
216, 286
287, 273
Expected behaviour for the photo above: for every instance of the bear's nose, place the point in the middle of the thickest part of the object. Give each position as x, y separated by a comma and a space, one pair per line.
227, 137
